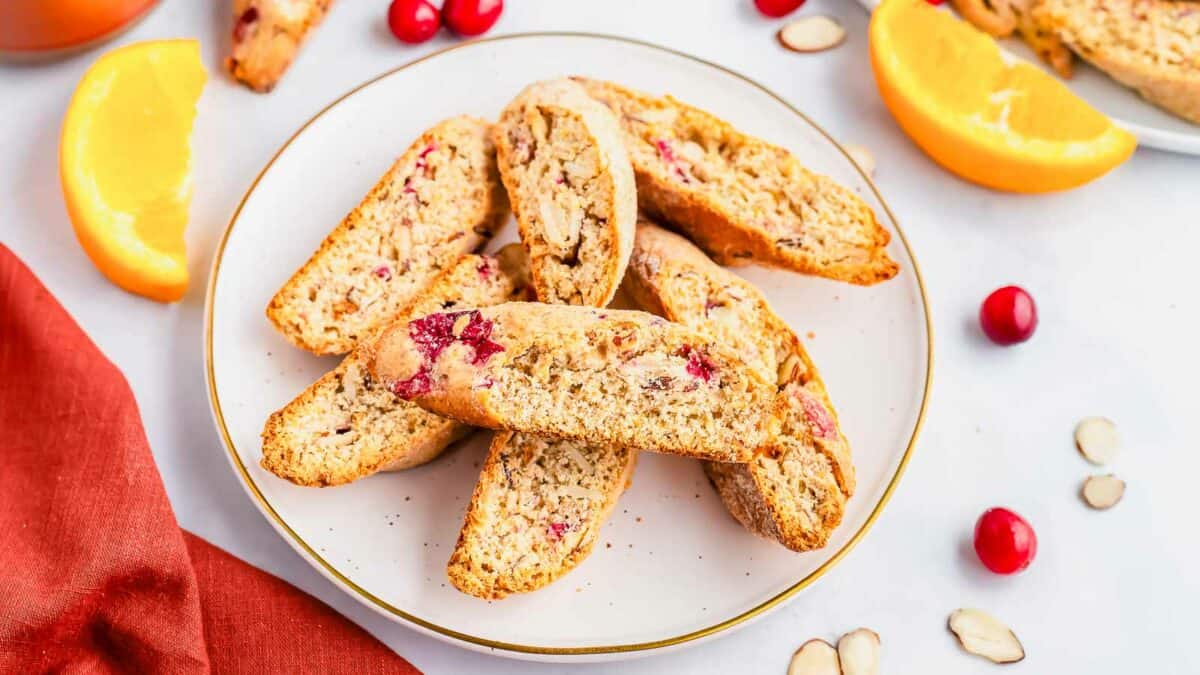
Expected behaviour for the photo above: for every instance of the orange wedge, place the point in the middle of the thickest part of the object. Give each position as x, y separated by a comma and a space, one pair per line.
1006, 125
125, 163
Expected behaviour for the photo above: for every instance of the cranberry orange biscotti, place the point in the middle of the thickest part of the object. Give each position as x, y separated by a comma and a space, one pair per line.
346, 426
740, 198
266, 36
794, 489
572, 190
604, 376
536, 512
1152, 46
442, 199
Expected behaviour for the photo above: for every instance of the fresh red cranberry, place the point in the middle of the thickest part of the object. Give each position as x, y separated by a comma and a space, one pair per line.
477, 333
413, 21
415, 386
471, 17
555, 531
935, 2
818, 417
1008, 316
244, 22
433, 333
777, 8
1004, 542
698, 364
423, 163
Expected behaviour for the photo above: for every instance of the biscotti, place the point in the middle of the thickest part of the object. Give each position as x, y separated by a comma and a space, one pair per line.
740, 198
1002, 18
619, 377
572, 190
536, 512
794, 489
346, 425
1152, 46
442, 199
266, 36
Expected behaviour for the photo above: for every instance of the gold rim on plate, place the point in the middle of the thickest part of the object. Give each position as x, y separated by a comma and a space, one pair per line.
392, 611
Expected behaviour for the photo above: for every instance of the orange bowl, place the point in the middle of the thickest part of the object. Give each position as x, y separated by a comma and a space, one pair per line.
36, 26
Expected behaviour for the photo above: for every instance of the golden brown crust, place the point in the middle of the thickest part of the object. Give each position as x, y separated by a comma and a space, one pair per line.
440, 200
267, 34
476, 566
740, 198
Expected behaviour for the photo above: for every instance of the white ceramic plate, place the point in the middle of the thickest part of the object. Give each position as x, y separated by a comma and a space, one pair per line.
1153, 127
671, 567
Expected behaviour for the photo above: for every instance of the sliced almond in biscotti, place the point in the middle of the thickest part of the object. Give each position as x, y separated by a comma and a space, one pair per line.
442, 199
1152, 46
346, 426
620, 377
740, 198
572, 190
266, 36
794, 490
536, 512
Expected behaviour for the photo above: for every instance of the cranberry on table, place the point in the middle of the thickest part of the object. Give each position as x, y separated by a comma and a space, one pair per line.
471, 17
777, 8
1004, 541
1008, 316
413, 21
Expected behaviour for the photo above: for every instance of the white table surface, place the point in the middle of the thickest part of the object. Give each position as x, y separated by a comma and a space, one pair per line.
1111, 265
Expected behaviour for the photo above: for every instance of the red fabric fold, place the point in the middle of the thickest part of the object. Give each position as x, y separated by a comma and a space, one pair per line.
95, 573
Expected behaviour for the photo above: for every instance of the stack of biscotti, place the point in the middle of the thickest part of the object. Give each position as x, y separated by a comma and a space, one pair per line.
442, 199
740, 198
539, 503
267, 34
794, 488
1152, 46
346, 426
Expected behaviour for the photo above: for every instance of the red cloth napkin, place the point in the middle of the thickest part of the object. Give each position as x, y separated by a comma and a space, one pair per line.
95, 574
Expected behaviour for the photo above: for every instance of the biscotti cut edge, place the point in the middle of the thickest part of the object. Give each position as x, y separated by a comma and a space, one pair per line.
475, 572
569, 191
395, 242
377, 432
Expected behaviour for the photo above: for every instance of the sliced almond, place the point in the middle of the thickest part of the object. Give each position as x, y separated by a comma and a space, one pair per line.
1103, 492
811, 34
858, 652
815, 657
862, 157
1097, 439
981, 634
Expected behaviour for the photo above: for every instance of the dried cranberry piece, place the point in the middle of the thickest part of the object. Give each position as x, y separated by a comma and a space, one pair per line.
247, 19
414, 386
433, 333
555, 530
668, 155
423, 163
384, 272
699, 365
818, 417
485, 268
